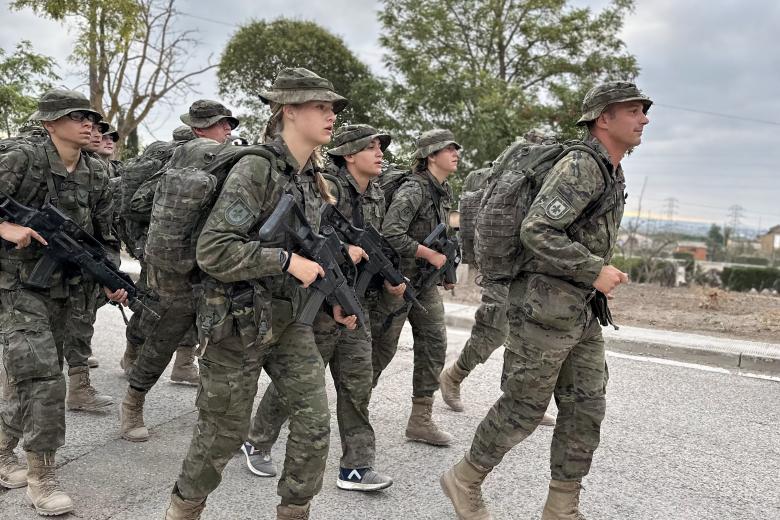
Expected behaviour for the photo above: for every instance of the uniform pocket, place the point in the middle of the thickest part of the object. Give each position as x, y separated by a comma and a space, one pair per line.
553, 303
214, 391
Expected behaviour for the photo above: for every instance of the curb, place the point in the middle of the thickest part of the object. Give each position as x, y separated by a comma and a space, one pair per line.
731, 354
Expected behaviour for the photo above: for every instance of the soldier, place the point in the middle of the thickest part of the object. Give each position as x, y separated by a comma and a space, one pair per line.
555, 344
33, 320
490, 326
357, 153
422, 202
171, 292
247, 280
106, 151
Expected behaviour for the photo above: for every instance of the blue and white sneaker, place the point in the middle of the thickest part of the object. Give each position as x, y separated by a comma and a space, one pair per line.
259, 462
362, 479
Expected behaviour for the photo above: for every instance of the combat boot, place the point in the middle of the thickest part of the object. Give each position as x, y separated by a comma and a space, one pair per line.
450, 380
131, 416
183, 509
548, 420
82, 395
463, 486
128, 358
421, 427
93, 362
43, 490
563, 501
12, 474
184, 370
293, 512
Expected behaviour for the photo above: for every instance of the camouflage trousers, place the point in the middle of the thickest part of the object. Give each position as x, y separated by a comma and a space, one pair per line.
348, 352
490, 327
134, 332
229, 370
170, 295
78, 337
430, 339
32, 333
555, 347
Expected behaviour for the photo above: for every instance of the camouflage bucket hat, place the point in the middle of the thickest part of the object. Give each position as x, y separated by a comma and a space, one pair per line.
298, 85
432, 141
601, 96
111, 131
104, 127
204, 112
183, 133
351, 139
57, 103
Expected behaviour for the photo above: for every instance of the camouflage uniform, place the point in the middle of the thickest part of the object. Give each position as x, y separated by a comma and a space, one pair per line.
417, 207
246, 320
347, 351
555, 344
33, 320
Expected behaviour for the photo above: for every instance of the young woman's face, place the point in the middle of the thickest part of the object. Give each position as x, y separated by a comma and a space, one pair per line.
446, 159
313, 120
368, 161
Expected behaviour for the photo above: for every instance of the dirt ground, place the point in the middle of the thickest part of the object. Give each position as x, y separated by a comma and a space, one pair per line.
699, 310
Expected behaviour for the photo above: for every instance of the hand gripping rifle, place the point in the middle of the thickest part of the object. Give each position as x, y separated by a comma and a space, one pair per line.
69, 245
375, 245
438, 241
325, 249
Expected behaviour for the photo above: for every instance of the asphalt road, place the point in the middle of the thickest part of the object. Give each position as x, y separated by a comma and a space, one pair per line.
679, 442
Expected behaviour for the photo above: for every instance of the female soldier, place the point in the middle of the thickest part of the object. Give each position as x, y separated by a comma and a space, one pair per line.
245, 280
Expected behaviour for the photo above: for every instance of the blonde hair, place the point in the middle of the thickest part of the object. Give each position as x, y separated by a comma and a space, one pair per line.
274, 127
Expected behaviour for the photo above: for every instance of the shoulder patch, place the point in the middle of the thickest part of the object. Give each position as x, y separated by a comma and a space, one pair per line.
238, 213
557, 207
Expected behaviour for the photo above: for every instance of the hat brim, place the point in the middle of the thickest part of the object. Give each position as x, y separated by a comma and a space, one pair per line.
208, 121
596, 112
425, 151
53, 116
297, 97
358, 145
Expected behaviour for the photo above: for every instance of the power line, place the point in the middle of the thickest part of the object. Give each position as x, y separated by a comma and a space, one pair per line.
719, 114
204, 19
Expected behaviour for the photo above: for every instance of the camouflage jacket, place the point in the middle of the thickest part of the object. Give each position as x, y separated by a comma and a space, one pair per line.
569, 188
346, 191
82, 195
476, 180
418, 206
228, 249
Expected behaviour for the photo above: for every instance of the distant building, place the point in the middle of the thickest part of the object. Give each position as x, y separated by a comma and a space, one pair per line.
770, 242
697, 249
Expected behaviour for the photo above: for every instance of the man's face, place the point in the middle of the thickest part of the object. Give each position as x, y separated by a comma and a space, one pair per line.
75, 128
368, 161
219, 131
446, 159
106, 145
95, 139
624, 122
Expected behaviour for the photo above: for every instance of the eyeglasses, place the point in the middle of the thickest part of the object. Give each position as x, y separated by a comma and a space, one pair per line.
79, 117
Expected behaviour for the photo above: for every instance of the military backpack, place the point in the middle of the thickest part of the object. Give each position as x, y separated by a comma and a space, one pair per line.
497, 211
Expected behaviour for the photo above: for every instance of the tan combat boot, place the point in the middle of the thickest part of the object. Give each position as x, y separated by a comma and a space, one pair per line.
421, 427
450, 380
292, 512
463, 486
93, 362
131, 416
548, 420
183, 509
184, 370
43, 490
12, 474
82, 395
563, 501
128, 358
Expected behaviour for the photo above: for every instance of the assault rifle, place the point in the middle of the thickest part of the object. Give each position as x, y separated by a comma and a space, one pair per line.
69, 245
325, 249
375, 245
438, 241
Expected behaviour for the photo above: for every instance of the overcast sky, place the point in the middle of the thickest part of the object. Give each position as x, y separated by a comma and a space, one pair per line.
696, 56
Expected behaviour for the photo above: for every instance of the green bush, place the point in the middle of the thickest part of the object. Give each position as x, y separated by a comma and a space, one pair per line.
746, 278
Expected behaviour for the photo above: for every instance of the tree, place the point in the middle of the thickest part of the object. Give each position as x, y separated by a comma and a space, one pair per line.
135, 58
492, 69
259, 50
24, 75
716, 243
